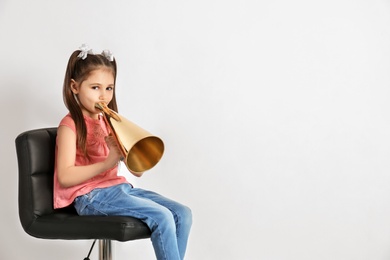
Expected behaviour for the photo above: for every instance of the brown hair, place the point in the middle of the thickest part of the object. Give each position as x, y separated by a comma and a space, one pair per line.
79, 69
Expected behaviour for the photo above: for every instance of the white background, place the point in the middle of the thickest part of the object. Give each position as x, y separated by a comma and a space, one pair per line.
275, 117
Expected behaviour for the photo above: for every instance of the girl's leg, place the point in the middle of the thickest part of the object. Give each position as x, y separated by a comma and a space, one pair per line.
182, 216
123, 200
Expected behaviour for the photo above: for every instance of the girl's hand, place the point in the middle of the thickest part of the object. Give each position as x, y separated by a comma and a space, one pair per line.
115, 154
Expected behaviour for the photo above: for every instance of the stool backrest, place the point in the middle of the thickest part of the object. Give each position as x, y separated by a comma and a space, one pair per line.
35, 153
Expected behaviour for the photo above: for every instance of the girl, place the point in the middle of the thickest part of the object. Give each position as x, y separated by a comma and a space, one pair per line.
87, 159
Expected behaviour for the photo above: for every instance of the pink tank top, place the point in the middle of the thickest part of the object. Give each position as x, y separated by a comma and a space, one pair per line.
97, 150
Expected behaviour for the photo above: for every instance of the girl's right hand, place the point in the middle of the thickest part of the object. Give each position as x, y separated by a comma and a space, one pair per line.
115, 154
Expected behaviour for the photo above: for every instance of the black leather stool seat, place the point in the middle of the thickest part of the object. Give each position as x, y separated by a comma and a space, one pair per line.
68, 225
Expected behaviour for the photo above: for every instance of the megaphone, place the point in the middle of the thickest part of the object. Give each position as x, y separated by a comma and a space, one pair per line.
140, 149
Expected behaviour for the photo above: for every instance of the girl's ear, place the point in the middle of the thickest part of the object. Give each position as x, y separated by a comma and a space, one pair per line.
74, 86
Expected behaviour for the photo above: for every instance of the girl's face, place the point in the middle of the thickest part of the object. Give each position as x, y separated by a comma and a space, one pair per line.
98, 87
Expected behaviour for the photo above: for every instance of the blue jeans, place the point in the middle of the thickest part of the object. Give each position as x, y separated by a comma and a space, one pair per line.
169, 221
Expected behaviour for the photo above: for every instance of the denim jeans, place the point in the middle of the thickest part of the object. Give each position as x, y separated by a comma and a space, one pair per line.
169, 221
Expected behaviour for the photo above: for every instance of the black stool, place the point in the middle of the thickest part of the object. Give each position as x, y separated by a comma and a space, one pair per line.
35, 153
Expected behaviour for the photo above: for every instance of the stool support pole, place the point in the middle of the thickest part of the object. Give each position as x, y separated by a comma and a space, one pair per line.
105, 249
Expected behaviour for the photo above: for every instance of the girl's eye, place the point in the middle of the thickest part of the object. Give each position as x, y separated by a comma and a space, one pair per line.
95, 87
109, 88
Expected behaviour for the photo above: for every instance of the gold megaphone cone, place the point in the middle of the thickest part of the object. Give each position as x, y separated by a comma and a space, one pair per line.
140, 149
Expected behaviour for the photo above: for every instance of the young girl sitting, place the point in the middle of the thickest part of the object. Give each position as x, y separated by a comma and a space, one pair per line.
87, 160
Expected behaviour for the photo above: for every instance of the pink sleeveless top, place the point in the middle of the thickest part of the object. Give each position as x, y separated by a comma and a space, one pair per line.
97, 150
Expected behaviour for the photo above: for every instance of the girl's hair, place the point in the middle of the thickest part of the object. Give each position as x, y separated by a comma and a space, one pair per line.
79, 69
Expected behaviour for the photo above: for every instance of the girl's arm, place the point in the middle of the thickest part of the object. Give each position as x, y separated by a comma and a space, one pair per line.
69, 174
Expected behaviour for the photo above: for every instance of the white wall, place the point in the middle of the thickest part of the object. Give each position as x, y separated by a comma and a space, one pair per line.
275, 117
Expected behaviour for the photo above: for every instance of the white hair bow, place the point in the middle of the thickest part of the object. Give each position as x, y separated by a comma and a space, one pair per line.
108, 54
85, 50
